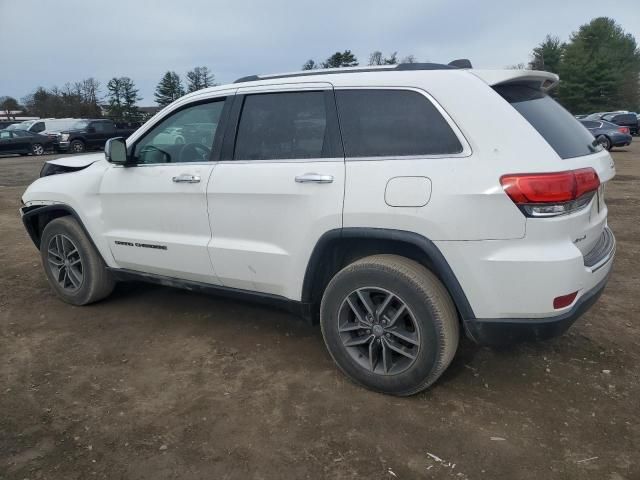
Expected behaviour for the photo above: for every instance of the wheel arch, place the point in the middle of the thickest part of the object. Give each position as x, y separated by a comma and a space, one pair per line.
35, 218
337, 248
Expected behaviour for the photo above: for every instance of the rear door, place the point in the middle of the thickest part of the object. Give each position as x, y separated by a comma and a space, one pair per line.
278, 187
7, 142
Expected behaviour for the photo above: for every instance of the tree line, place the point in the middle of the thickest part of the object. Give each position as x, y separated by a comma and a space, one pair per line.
348, 59
599, 67
85, 99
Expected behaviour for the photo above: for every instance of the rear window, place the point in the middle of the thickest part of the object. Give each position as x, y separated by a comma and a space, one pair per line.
388, 123
557, 126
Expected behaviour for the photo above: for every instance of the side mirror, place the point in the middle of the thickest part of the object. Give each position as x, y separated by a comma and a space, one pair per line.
115, 151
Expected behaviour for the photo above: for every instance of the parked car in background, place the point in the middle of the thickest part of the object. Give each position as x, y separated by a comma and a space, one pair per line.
91, 134
608, 134
45, 125
6, 123
24, 142
624, 119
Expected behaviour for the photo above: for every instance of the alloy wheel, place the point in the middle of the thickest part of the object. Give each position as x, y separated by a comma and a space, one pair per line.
38, 149
65, 262
378, 330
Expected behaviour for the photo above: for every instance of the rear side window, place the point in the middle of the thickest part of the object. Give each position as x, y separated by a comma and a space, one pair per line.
277, 126
623, 119
557, 126
38, 127
389, 123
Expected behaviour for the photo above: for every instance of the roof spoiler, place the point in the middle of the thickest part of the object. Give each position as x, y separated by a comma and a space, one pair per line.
545, 81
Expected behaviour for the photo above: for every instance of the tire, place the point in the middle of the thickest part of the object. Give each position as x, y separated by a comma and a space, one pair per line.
75, 270
604, 141
37, 149
77, 146
428, 323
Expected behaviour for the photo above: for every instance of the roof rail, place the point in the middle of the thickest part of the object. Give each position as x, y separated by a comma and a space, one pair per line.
460, 63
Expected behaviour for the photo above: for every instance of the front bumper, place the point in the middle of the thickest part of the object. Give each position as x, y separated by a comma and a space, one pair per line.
502, 331
63, 146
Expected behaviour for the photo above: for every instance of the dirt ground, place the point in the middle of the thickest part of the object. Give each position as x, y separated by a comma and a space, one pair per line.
163, 383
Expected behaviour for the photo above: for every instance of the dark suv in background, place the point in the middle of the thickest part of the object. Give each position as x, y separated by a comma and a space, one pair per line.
93, 134
628, 119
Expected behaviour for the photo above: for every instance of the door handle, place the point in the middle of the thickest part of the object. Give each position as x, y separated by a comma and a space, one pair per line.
314, 178
186, 179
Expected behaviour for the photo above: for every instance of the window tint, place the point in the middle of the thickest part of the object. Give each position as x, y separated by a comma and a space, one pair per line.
38, 127
590, 123
103, 127
185, 136
282, 125
378, 123
5, 135
557, 126
623, 119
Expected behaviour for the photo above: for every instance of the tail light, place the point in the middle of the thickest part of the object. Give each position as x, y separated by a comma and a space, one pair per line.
551, 194
624, 130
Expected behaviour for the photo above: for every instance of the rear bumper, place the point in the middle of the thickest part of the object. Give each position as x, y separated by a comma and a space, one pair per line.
504, 331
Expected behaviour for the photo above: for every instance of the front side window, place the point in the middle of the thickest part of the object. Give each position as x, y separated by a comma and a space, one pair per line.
185, 136
382, 123
276, 126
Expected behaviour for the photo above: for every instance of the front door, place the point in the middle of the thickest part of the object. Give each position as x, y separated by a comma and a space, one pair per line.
155, 211
278, 187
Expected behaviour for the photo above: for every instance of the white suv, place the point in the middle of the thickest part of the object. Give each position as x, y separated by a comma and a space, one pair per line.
398, 205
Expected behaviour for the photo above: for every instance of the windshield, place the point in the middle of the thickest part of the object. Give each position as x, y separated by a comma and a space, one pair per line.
79, 125
21, 125
558, 127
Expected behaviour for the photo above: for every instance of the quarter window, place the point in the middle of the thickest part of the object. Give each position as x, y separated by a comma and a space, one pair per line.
381, 123
185, 136
287, 125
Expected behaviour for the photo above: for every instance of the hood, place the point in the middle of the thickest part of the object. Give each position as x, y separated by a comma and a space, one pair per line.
79, 161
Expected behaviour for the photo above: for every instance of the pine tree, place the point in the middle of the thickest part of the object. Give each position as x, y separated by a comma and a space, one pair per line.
116, 100
600, 68
130, 98
341, 59
309, 65
199, 78
169, 89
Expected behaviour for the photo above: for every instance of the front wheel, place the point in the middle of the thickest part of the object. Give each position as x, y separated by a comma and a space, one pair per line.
389, 324
37, 149
74, 268
77, 146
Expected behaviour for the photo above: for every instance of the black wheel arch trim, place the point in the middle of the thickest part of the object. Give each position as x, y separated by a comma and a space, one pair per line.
439, 264
31, 214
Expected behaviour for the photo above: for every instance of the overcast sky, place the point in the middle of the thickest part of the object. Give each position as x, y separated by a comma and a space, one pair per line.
53, 42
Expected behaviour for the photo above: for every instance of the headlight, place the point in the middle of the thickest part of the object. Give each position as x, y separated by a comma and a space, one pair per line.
64, 137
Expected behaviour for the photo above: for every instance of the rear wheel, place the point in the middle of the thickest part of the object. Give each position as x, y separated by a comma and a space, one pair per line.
604, 141
75, 270
77, 146
37, 149
389, 324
